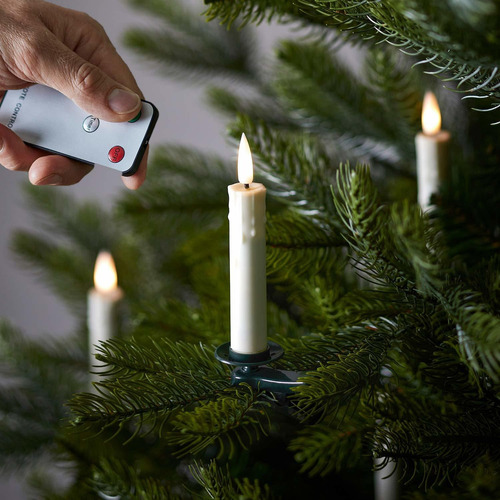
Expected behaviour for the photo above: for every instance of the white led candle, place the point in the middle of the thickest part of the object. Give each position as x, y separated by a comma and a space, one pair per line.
247, 251
386, 482
103, 301
432, 151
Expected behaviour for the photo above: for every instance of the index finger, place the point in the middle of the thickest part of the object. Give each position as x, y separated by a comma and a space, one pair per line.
135, 181
105, 56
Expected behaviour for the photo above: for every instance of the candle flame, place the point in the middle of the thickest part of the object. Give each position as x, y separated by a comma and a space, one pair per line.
105, 278
431, 116
245, 163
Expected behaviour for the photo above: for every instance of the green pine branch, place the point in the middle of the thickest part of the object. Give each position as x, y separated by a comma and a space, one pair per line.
454, 48
218, 483
38, 379
129, 359
342, 382
322, 449
296, 246
263, 107
398, 340
64, 255
309, 352
429, 358
319, 89
305, 269
391, 243
254, 12
478, 332
399, 90
86, 225
171, 191
66, 272
24, 439
117, 478
358, 306
478, 482
177, 320
186, 46
147, 402
436, 450
231, 423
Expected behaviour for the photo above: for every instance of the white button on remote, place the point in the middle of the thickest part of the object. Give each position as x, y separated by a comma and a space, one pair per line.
90, 124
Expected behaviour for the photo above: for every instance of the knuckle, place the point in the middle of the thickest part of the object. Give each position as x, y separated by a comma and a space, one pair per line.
90, 23
88, 78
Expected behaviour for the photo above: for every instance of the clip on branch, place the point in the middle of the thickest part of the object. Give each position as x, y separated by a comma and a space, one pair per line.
251, 369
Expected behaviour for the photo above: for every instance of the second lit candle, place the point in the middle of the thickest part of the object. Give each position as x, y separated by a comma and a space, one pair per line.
432, 152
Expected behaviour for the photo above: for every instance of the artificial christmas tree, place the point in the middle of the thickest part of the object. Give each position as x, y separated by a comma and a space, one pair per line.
391, 313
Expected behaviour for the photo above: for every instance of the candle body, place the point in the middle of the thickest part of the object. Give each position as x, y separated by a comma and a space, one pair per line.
386, 485
247, 255
102, 318
432, 164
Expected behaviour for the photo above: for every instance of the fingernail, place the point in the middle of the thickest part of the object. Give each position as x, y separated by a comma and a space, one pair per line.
50, 180
123, 101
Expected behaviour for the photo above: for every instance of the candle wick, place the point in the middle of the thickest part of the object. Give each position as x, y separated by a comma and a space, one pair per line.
246, 186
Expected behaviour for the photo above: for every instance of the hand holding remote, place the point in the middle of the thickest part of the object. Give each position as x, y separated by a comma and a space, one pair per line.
70, 52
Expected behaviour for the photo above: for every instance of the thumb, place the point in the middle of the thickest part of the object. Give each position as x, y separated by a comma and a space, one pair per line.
88, 86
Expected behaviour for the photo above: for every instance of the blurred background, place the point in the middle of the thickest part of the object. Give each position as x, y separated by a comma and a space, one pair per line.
184, 119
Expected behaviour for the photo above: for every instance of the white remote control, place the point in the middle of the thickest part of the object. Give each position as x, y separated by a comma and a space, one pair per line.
45, 118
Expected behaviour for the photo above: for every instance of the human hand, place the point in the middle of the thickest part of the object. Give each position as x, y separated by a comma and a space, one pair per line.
70, 52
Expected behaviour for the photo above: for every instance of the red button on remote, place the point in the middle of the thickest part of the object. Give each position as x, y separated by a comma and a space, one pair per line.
116, 154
